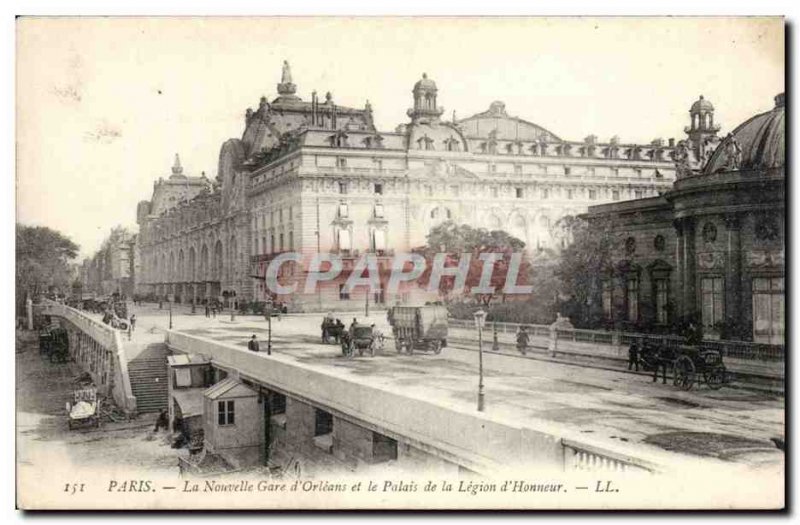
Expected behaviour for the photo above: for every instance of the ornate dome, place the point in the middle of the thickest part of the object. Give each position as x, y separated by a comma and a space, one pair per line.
702, 105
758, 143
425, 84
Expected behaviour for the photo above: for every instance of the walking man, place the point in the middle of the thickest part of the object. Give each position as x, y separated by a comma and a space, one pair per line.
633, 356
252, 344
133, 322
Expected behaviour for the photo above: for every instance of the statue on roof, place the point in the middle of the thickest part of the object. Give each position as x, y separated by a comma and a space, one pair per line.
286, 74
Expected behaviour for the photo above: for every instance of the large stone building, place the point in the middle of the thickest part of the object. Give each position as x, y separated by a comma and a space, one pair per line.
713, 246
314, 176
111, 270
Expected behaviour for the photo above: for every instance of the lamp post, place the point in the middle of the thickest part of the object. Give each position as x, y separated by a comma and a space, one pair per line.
170, 313
268, 313
480, 318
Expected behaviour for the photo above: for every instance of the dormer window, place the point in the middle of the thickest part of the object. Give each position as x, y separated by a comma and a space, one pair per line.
339, 140
451, 144
425, 142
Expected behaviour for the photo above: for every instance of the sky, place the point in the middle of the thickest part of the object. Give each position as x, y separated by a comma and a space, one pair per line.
104, 104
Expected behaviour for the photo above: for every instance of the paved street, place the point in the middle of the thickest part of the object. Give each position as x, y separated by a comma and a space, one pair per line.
606, 405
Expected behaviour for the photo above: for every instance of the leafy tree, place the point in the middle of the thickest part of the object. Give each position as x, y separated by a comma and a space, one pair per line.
456, 239
42, 260
583, 263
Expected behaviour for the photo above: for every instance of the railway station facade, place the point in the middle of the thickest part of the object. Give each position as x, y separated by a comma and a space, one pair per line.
312, 176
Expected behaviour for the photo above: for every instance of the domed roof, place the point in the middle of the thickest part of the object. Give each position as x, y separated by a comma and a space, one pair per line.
702, 105
758, 143
425, 83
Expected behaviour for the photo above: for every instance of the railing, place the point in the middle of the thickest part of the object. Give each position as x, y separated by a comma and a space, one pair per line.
735, 349
588, 458
108, 338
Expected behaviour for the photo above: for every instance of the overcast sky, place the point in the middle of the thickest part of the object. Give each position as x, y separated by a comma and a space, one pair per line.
104, 104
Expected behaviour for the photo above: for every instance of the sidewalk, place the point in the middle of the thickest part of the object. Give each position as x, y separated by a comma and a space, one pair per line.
773, 371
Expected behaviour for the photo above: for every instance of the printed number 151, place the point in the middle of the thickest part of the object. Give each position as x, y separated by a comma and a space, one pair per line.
72, 488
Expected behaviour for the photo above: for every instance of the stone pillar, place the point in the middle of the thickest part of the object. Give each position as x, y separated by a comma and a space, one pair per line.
733, 269
687, 266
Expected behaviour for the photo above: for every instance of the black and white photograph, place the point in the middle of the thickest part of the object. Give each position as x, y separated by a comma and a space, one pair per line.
517, 263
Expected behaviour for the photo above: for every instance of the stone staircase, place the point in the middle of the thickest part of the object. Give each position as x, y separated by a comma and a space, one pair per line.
148, 375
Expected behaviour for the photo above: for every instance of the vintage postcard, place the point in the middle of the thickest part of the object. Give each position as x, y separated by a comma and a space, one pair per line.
400, 263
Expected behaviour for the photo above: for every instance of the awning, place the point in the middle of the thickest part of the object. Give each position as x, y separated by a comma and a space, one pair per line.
190, 401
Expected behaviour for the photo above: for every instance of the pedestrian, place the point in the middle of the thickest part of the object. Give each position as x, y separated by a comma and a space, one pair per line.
208, 313
162, 420
252, 344
661, 359
133, 322
633, 356
522, 340
214, 310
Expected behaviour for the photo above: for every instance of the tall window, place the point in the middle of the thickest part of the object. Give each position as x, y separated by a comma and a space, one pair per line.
615, 195
343, 210
592, 194
379, 241
344, 241
662, 295
633, 299
608, 295
519, 192
263, 245
225, 413
712, 291
768, 310
378, 188
280, 246
342, 187
344, 295
379, 210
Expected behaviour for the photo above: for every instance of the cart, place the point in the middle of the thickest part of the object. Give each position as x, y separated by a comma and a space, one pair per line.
419, 328
84, 410
690, 364
331, 330
361, 338
694, 364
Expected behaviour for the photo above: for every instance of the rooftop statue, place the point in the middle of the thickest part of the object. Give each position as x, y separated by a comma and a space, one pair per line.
286, 74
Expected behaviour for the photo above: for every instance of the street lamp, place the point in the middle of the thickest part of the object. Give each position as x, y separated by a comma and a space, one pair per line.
268, 313
480, 319
170, 313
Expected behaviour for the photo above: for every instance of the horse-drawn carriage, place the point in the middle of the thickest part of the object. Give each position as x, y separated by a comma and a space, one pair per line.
419, 328
361, 338
690, 364
332, 329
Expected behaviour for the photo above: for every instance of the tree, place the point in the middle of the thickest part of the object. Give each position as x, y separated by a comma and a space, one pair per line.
584, 262
42, 260
456, 239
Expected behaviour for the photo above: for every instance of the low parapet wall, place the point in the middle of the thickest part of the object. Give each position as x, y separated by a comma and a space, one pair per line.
109, 339
476, 441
